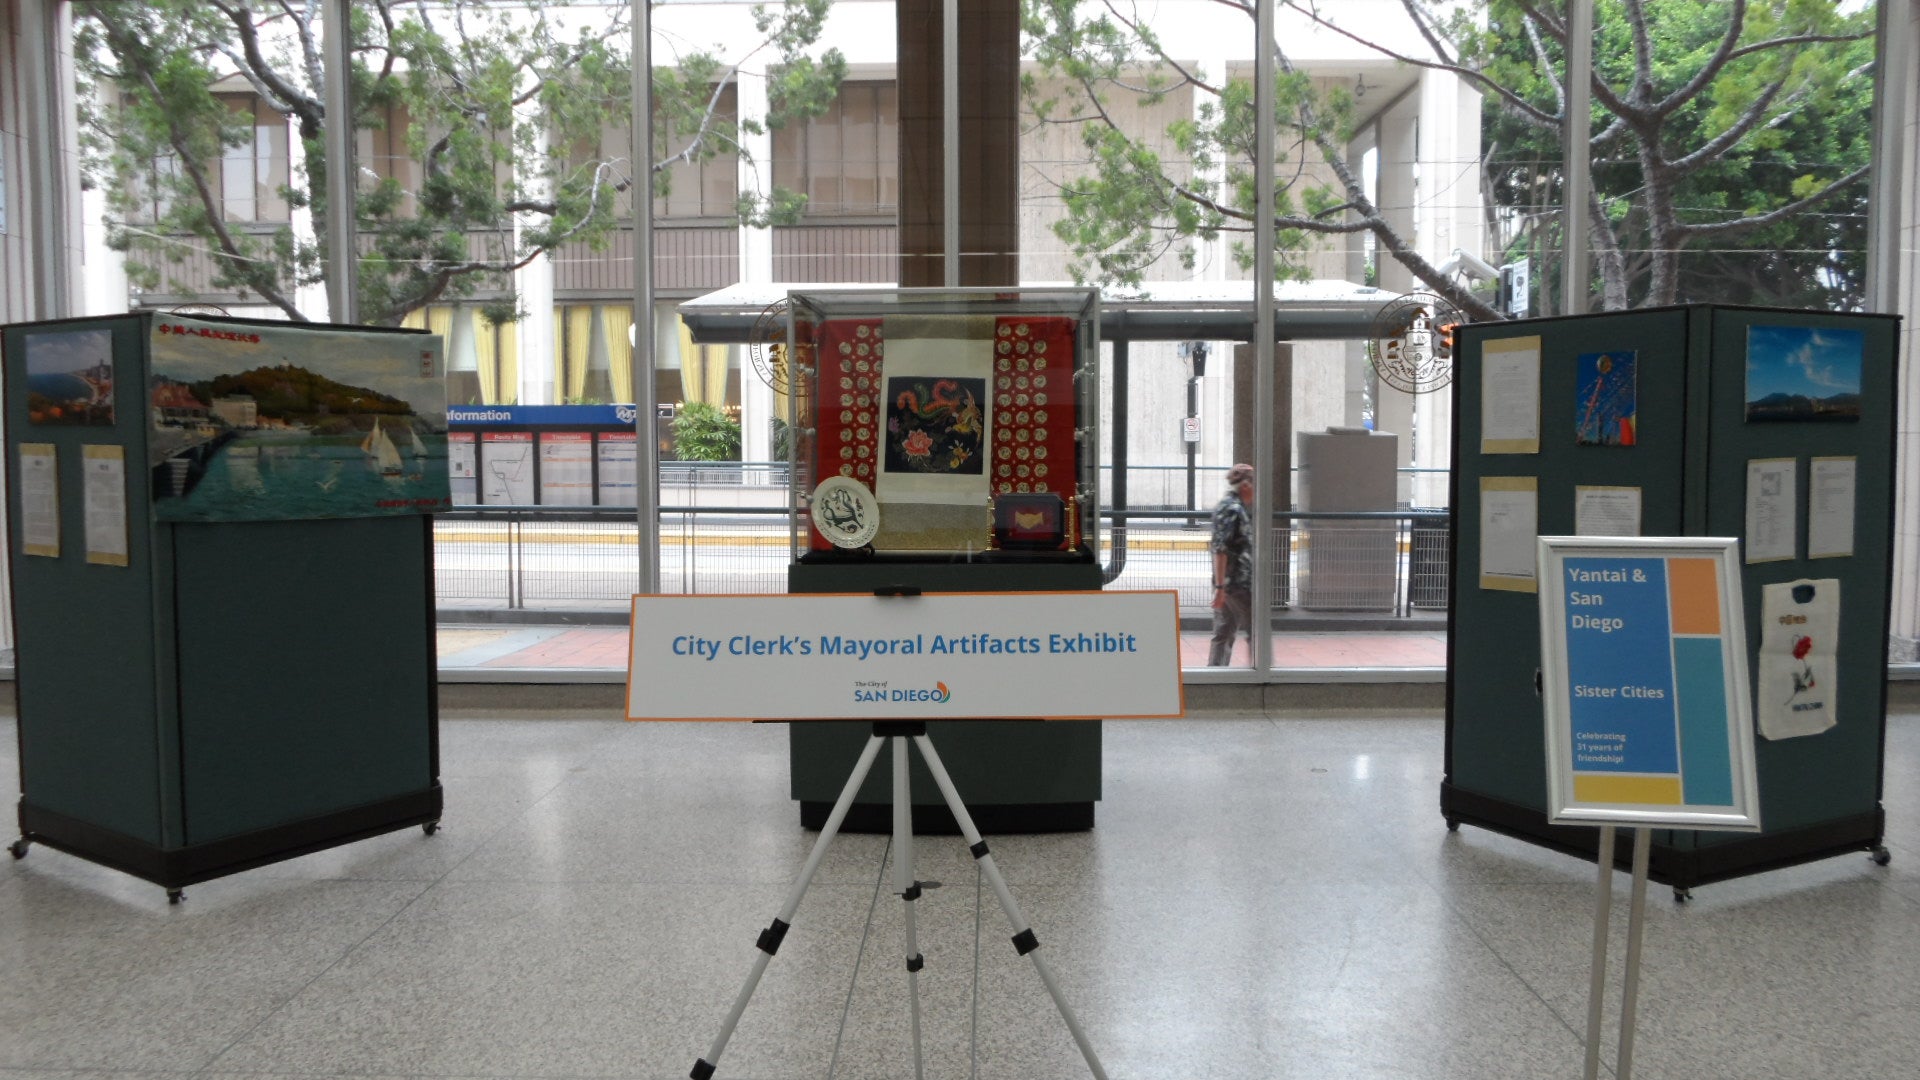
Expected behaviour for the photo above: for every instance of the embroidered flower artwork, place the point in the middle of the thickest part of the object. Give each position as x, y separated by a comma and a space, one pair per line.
935, 425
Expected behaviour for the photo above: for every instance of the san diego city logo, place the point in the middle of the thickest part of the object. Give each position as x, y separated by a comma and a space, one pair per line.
873, 692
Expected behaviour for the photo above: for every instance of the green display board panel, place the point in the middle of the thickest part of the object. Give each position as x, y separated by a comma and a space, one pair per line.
265, 727
1690, 447
90, 681
1012, 775
1837, 773
221, 695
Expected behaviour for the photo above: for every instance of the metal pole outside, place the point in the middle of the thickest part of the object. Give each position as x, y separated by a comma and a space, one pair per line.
343, 252
1575, 179
1263, 379
950, 141
646, 489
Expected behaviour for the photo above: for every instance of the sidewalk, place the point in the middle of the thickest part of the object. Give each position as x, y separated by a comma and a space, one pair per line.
473, 651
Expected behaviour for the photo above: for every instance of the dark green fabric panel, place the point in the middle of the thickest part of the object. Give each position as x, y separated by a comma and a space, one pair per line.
1498, 743
1834, 774
306, 655
1690, 461
86, 641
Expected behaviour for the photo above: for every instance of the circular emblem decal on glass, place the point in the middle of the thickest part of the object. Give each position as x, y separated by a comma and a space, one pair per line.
845, 512
1412, 345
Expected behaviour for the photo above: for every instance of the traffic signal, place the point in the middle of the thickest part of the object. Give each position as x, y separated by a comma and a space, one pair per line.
1445, 338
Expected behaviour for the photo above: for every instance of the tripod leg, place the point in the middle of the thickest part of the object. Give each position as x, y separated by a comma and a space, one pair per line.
1023, 936
908, 888
771, 937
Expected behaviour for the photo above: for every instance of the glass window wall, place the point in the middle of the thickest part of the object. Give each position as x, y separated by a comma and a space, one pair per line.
505, 222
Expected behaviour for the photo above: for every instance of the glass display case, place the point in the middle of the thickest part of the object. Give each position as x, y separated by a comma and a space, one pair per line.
943, 423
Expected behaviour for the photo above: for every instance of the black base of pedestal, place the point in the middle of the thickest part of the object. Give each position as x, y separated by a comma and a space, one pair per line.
1681, 868
937, 820
177, 867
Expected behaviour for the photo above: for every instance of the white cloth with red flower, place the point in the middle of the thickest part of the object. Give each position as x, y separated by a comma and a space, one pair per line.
1799, 632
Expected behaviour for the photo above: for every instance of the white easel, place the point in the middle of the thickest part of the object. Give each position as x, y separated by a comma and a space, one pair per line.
898, 732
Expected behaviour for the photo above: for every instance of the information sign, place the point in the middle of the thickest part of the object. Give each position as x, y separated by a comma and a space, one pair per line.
950, 656
1648, 712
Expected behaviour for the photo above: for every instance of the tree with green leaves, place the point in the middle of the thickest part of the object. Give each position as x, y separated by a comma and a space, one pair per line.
704, 432
1715, 125
504, 107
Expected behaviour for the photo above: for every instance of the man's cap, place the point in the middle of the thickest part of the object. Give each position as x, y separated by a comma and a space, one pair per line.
1239, 474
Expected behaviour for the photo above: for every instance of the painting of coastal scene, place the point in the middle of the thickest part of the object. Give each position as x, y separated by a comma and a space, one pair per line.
1803, 373
272, 422
70, 377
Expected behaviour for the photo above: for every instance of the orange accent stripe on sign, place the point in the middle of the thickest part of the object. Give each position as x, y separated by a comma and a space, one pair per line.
1692, 588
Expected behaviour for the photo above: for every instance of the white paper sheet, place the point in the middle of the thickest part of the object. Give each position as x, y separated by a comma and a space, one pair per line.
1606, 511
105, 496
1509, 529
566, 468
39, 500
1830, 500
1510, 396
1799, 633
1773, 530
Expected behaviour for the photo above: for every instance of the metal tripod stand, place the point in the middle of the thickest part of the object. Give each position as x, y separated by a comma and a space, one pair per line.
898, 733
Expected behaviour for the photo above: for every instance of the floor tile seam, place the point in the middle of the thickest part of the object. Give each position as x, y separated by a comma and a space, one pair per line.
280, 1005
1578, 1033
354, 947
386, 1073
69, 1070
859, 955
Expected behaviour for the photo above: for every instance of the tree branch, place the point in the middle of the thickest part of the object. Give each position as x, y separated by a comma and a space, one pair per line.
1726, 140
1724, 52
1514, 102
1757, 221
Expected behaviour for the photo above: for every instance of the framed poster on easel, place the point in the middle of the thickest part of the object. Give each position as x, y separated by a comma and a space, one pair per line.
1649, 720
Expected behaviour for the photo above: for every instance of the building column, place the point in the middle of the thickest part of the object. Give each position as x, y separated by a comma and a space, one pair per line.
1897, 276
1398, 191
989, 142
1448, 186
312, 296
756, 266
538, 335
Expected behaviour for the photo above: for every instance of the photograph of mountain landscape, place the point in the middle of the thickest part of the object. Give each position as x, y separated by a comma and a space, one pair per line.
1803, 373
273, 422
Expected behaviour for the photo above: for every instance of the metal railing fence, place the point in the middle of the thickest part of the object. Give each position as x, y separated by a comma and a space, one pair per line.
1389, 563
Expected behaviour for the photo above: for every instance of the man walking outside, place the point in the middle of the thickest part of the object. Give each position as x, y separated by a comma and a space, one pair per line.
1232, 546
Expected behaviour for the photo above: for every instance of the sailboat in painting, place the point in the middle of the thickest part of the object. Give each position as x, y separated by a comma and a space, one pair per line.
379, 446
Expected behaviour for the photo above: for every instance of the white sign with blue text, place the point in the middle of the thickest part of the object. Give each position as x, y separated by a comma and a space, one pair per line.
942, 656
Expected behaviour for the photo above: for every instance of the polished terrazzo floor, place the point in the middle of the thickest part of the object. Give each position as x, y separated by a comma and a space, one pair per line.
1261, 898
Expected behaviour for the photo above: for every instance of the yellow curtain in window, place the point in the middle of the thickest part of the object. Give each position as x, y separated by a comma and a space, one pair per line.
703, 370
620, 349
485, 342
499, 349
510, 363
434, 320
579, 324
